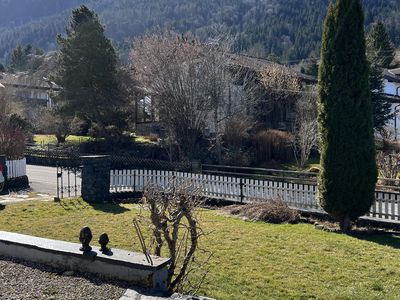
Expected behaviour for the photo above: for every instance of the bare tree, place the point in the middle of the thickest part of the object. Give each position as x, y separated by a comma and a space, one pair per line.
186, 80
174, 224
50, 122
280, 81
305, 136
10, 104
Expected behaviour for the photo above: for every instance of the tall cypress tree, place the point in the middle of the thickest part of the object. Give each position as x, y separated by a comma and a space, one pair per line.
88, 74
348, 169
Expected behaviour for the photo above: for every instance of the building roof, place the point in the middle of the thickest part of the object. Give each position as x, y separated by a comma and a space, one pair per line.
257, 64
392, 75
27, 80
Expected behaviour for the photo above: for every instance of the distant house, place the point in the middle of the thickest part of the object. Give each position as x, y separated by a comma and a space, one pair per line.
392, 92
242, 74
34, 91
281, 113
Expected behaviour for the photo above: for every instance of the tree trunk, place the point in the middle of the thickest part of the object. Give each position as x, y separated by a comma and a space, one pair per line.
61, 138
345, 224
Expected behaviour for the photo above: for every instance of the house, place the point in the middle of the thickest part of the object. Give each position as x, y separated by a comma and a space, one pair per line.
281, 114
243, 96
34, 91
392, 93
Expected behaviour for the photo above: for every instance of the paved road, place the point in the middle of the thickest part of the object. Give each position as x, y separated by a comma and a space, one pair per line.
42, 179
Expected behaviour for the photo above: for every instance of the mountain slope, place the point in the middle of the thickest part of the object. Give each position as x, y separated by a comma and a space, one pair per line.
288, 28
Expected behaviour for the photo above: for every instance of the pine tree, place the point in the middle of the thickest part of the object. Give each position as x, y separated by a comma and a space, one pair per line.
379, 46
88, 74
382, 109
18, 59
380, 53
348, 169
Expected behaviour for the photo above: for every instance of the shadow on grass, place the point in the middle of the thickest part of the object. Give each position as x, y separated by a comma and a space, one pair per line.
381, 238
112, 208
80, 204
2, 207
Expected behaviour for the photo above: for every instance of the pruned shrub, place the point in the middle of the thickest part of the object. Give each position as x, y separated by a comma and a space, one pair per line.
173, 221
271, 211
272, 145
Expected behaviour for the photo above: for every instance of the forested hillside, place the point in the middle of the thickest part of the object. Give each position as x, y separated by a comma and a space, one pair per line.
290, 29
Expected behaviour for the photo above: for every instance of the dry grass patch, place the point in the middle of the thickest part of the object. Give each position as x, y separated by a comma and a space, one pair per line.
272, 211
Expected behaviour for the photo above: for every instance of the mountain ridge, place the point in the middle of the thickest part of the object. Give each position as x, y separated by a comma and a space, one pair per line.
290, 29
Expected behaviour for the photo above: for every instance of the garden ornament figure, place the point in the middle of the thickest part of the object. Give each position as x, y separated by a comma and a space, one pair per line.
103, 241
85, 237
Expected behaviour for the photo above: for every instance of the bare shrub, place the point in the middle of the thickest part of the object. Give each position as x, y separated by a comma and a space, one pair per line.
271, 211
272, 145
174, 224
237, 130
305, 127
388, 164
12, 140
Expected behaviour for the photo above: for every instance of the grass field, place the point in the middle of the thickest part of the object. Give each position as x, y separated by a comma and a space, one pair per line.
45, 139
51, 139
251, 260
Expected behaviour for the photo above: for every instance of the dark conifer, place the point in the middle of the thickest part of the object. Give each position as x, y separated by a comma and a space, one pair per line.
88, 74
348, 169
379, 46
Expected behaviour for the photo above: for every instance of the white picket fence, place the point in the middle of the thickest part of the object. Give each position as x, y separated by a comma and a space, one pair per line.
16, 168
302, 196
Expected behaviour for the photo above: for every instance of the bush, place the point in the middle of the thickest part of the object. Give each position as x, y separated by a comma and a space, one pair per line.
236, 132
271, 211
236, 157
272, 145
12, 140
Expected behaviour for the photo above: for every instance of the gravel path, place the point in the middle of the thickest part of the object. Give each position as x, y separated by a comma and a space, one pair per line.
23, 280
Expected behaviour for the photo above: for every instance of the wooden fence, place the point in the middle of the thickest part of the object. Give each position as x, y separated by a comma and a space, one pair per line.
16, 168
302, 196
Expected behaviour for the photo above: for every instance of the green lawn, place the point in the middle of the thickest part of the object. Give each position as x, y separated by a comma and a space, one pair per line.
251, 260
51, 139
75, 139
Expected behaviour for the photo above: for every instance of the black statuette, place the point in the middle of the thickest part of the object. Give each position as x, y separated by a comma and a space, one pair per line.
85, 237
103, 241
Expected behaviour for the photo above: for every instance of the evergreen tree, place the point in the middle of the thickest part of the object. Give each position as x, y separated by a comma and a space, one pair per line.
348, 169
88, 74
380, 53
18, 59
379, 46
2, 68
28, 49
382, 109
310, 67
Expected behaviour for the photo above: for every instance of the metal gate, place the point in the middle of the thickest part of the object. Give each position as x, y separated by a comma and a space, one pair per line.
68, 182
